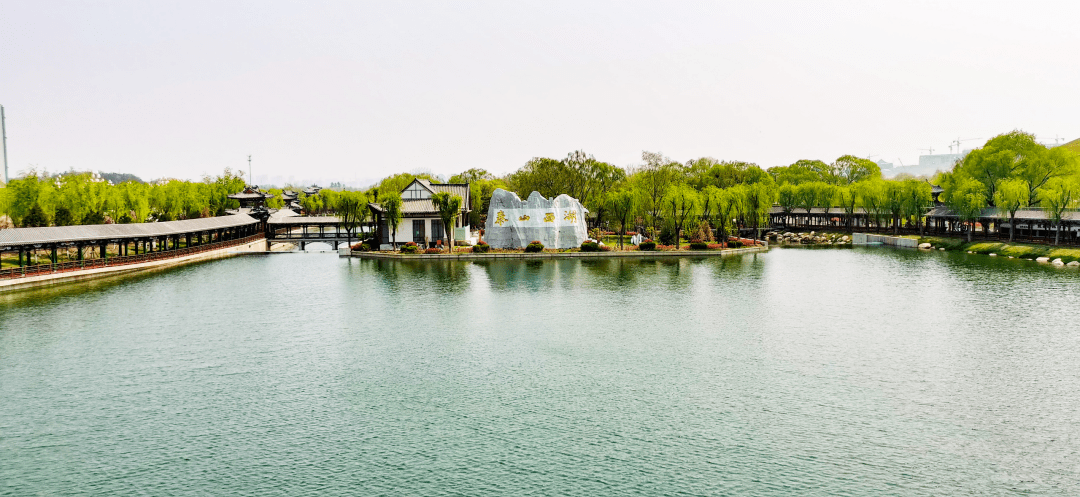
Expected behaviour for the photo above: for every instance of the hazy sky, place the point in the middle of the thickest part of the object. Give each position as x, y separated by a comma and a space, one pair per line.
358, 90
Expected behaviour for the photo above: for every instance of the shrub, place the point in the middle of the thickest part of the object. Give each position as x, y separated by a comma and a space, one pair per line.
702, 232
665, 247
716, 246
698, 245
433, 251
534, 246
605, 248
481, 248
590, 247
647, 245
734, 244
668, 234
409, 248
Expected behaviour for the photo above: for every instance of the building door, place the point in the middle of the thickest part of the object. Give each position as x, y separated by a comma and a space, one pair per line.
436, 230
418, 231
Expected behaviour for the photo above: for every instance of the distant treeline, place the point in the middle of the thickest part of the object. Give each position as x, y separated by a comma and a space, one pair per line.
1010, 171
42, 199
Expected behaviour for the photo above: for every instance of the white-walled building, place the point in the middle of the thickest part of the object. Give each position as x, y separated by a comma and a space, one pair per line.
420, 222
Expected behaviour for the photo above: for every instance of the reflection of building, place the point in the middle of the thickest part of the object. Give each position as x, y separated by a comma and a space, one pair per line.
420, 222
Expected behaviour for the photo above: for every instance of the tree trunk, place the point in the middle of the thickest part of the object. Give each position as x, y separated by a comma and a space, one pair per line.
1057, 234
1012, 227
971, 230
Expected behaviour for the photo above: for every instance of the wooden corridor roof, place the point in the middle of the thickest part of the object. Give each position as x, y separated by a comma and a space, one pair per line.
1026, 214
94, 232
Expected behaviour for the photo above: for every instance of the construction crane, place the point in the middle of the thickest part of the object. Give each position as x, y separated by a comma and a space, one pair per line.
957, 143
931, 150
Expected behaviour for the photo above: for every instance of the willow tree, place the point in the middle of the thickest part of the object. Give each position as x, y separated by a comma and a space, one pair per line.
352, 211
788, 198
967, 199
1058, 195
681, 203
621, 203
391, 204
449, 207
918, 195
759, 201
1010, 196
726, 207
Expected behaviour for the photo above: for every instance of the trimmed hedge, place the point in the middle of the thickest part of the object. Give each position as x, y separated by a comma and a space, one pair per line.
481, 248
699, 245
410, 248
534, 246
647, 245
590, 247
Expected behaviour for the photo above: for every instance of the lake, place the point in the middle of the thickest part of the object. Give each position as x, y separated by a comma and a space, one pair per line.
797, 372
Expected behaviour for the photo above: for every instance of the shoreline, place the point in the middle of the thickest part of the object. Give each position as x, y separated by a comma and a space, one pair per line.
468, 256
80, 275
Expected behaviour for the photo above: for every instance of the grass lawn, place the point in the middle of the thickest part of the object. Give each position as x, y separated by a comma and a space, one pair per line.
1018, 250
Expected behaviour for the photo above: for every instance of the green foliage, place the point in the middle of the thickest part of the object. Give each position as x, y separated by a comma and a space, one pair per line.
621, 205
787, 195
351, 209
534, 247
449, 207
1015, 155
698, 245
410, 248
35, 217
481, 248
668, 234
803, 171
63, 217
682, 203
392, 213
1056, 196
588, 246
849, 169
578, 175
647, 245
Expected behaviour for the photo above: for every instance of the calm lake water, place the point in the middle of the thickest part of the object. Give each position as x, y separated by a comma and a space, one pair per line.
798, 372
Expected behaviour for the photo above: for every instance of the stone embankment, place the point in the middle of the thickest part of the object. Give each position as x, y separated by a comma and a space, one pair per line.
811, 238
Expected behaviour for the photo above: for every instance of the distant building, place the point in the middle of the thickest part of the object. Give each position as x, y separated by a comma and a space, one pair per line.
884, 166
421, 222
939, 162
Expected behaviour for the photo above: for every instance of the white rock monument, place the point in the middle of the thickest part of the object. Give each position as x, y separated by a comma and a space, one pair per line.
513, 223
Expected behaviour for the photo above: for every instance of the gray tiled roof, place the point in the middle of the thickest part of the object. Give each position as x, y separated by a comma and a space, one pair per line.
1027, 214
776, 209
91, 232
304, 220
246, 196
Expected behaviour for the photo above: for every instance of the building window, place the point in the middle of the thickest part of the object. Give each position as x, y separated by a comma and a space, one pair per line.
418, 230
415, 191
436, 230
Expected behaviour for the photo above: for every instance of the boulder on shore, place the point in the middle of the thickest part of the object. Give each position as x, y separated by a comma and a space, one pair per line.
1043, 260
1073, 264
1058, 262
925, 246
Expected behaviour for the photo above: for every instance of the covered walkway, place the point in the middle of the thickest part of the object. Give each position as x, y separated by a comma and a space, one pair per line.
76, 247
